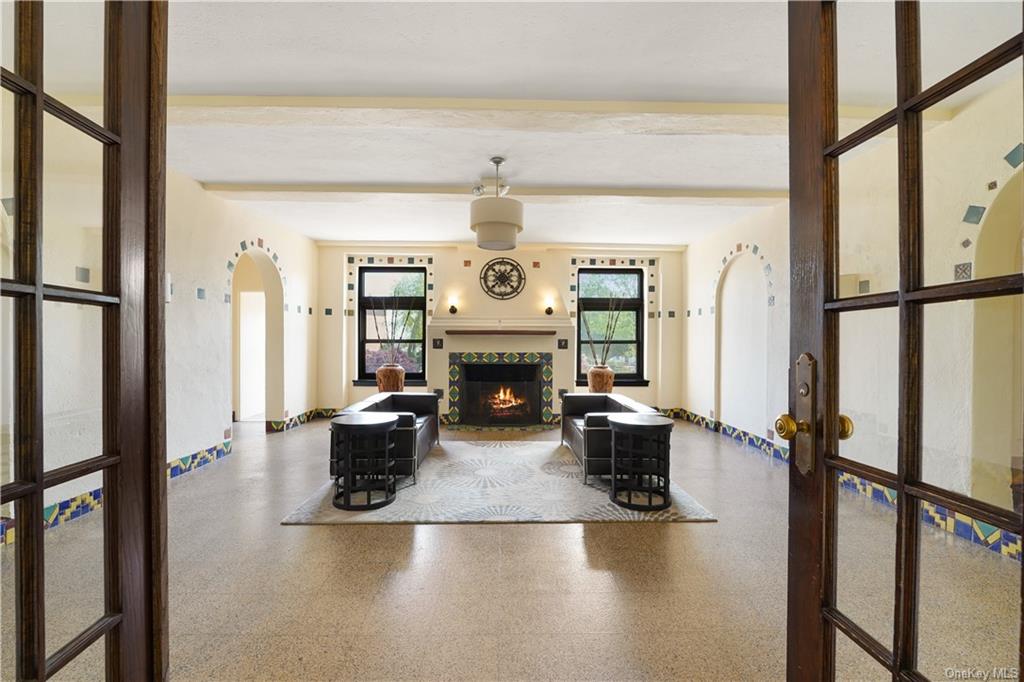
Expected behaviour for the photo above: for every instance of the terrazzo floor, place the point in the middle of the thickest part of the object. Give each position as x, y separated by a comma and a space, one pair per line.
252, 599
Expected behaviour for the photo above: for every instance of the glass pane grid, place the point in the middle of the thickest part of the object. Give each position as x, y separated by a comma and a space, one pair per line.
74, 552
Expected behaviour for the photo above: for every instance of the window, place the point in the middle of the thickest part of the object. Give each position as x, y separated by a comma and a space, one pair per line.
609, 312
392, 320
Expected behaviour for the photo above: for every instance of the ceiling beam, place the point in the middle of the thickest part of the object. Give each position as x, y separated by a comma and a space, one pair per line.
351, 192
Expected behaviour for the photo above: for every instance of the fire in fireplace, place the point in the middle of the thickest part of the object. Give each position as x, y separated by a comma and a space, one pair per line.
501, 394
505, 402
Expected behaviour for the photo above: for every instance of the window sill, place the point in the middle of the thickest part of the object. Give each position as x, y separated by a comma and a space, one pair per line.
373, 382
620, 382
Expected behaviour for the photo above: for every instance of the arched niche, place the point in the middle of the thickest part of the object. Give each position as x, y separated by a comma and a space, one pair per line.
997, 432
741, 345
255, 270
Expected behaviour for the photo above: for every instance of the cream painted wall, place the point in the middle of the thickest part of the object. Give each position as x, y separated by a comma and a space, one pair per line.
742, 313
453, 278
767, 232
972, 424
199, 336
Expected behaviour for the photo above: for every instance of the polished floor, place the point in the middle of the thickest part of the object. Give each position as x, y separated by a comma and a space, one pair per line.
254, 600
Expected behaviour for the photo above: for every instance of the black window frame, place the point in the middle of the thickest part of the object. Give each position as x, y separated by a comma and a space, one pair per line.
593, 304
367, 303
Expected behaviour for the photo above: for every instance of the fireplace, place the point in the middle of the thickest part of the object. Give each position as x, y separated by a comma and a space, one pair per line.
527, 375
501, 394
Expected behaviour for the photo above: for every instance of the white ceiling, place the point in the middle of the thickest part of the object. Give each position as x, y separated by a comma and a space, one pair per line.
604, 220
631, 61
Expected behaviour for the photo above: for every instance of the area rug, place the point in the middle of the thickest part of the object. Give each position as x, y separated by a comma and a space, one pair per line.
497, 482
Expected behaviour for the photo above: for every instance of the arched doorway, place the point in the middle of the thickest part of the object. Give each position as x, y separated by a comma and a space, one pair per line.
741, 346
257, 324
997, 434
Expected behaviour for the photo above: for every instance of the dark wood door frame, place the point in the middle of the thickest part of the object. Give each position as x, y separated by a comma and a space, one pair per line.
813, 617
133, 462
812, 95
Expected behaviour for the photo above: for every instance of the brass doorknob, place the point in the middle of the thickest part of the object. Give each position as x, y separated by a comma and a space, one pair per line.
787, 427
845, 427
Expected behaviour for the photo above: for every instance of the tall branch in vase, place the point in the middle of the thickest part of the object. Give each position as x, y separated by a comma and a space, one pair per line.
600, 377
390, 342
611, 323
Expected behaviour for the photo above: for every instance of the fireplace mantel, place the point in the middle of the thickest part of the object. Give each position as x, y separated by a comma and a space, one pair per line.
500, 332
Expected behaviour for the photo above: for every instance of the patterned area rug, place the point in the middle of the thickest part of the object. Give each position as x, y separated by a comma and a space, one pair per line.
497, 482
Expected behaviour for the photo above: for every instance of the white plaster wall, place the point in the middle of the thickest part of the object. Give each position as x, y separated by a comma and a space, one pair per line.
453, 279
204, 233
768, 231
961, 156
743, 329
964, 165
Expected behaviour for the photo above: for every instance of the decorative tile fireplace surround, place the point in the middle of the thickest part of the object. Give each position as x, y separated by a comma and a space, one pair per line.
464, 370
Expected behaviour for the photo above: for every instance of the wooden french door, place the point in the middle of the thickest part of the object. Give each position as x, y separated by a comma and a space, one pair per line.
924, 305
125, 125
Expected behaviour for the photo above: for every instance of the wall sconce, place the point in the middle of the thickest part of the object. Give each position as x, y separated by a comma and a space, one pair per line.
549, 301
453, 305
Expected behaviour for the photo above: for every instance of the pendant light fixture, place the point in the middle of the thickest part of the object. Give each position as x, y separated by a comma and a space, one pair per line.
497, 220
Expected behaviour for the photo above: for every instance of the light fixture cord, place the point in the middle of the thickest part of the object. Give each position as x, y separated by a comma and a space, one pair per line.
497, 166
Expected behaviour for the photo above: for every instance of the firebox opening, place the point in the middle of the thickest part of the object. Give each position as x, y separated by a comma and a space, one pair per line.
499, 394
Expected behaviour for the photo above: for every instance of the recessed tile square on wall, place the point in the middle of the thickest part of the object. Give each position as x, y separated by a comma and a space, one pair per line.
563, 344
1016, 156
962, 271
974, 214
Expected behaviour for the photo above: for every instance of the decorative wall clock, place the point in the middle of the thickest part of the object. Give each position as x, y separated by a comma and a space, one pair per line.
502, 278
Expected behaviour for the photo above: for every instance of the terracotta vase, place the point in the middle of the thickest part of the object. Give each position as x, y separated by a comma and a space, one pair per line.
600, 379
390, 378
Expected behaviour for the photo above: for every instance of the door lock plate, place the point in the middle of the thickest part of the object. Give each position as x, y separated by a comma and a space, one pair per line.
805, 402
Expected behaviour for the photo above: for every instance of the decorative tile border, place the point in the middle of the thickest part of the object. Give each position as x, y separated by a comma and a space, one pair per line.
980, 533
649, 264
964, 527
66, 510
456, 360
355, 261
974, 213
279, 425
194, 461
763, 444
740, 249
469, 427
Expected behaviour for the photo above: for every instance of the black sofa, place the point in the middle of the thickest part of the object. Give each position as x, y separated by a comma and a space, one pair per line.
418, 425
585, 428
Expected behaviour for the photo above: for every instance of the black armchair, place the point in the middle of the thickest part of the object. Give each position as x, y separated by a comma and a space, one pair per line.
419, 427
585, 428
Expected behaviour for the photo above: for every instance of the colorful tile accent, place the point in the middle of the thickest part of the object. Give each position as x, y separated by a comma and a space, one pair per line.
974, 214
980, 533
279, 425
457, 360
764, 445
1016, 156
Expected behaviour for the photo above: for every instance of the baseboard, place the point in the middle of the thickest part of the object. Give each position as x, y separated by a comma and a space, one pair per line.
279, 425
962, 526
61, 512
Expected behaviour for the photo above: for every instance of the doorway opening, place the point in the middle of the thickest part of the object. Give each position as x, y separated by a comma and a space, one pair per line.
997, 434
257, 304
741, 347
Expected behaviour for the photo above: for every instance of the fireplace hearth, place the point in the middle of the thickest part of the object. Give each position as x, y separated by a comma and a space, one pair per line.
501, 394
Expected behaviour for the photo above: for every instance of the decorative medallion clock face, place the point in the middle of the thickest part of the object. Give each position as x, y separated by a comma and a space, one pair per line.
502, 278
